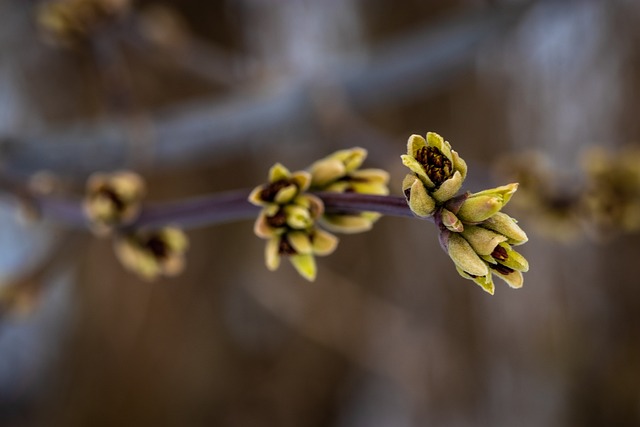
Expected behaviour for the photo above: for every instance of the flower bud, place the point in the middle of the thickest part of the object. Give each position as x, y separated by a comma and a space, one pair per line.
438, 167
419, 201
465, 257
282, 188
481, 206
450, 221
482, 241
336, 166
113, 200
503, 224
152, 253
340, 173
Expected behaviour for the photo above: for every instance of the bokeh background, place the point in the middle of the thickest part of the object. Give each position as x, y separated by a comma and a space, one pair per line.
204, 96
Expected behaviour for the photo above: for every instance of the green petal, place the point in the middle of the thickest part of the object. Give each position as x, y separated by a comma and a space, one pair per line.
482, 241
338, 187
326, 171
503, 224
347, 224
448, 188
485, 282
254, 197
278, 172
371, 175
479, 208
305, 265
415, 143
286, 194
311, 203
465, 257
298, 217
514, 259
515, 279
420, 202
302, 179
417, 168
271, 255
300, 241
323, 243
451, 221
503, 192
175, 239
435, 140
374, 188
408, 181
354, 158
262, 229
459, 164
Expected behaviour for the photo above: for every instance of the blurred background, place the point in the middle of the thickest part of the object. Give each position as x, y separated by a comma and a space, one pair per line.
204, 96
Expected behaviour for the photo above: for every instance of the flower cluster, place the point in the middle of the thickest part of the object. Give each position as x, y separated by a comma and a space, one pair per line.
476, 235
112, 203
152, 253
113, 200
288, 220
290, 215
340, 173
67, 22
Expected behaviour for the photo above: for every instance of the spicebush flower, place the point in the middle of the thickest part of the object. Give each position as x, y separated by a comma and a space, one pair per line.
340, 173
113, 200
439, 168
152, 253
483, 246
288, 221
282, 188
300, 247
473, 232
480, 206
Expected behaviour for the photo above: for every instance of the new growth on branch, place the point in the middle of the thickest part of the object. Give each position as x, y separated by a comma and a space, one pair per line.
298, 212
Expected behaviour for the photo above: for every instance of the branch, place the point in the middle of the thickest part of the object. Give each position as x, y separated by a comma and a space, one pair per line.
216, 209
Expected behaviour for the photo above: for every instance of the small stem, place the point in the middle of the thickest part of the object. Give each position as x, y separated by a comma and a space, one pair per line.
351, 203
218, 208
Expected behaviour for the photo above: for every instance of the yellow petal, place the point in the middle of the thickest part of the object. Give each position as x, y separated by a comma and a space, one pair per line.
324, 243
271, 253
305, 265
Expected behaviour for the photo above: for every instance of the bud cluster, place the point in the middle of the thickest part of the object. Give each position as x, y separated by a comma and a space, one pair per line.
340, 173
288, 221
290, 216
476, 235
112, 203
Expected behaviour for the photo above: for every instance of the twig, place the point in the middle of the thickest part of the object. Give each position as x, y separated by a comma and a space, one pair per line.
216, 209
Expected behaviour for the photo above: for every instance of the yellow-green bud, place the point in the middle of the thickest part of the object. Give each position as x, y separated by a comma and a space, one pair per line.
482, 241
481, 206
450, 221
440, 169
417, 197
503, 224
465, 257
485, 282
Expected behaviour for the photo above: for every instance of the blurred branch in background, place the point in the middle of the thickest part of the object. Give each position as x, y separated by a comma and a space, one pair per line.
213, 130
